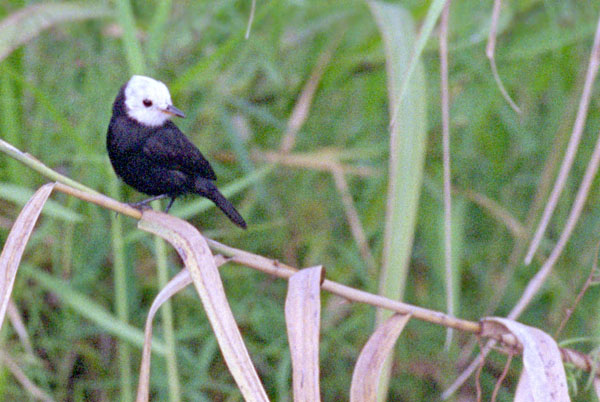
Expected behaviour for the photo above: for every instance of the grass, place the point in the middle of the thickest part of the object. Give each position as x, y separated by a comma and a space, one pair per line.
56, 92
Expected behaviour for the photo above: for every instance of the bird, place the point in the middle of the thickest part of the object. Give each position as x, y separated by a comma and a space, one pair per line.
149, 152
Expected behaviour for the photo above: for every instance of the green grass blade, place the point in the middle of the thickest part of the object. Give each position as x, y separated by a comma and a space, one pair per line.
432, 228
43, 99
198, 73
407, 145
90, 310
156, 33
131, 45
121, 297
433, 13
407, 151
10, 123
240, 148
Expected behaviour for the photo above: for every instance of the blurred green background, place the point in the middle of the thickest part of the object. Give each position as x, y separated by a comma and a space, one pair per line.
85, 270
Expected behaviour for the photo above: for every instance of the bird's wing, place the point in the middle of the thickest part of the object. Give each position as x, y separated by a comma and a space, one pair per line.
170, 148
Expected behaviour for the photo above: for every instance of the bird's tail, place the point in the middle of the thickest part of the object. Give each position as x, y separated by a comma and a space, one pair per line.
206, 188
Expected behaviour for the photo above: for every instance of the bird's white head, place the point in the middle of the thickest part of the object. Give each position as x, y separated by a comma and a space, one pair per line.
148, 101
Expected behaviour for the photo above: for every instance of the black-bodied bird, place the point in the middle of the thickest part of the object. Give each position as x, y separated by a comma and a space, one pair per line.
152, 155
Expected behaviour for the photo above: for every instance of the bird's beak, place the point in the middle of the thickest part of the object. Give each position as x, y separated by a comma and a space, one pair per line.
173, 110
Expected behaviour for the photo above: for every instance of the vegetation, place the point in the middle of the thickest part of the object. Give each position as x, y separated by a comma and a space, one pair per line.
280, 115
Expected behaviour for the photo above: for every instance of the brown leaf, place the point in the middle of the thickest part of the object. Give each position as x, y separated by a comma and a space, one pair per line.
174, 286
303, 319
16, 242
378, 348
200, 263
179, 282
543, 378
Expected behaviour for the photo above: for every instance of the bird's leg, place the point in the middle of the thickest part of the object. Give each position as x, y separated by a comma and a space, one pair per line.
169, 206
144, 203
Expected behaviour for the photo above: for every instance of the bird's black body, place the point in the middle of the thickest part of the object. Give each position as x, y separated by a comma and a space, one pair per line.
161, 160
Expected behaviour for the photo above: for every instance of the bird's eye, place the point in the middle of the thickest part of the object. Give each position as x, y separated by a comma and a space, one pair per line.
147, 102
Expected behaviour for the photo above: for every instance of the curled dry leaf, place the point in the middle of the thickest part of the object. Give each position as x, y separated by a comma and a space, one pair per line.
200, 263
20, 375
179, 282
378, 348
9, 264
303, 319
543, 378
175, 285
16, 242
14, 316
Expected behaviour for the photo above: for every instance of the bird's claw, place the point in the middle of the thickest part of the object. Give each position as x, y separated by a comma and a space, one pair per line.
141, 205
145, 204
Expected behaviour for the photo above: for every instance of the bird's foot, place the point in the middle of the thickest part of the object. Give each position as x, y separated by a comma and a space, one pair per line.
140, 205
145, 204
170, 204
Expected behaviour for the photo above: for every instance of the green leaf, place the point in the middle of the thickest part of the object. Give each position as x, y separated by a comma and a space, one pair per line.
131, 44
407, 150
90, 310
387, 23
201, 71
407, 145
548, 36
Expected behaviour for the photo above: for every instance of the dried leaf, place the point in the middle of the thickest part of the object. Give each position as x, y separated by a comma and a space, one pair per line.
523, 392
543, 377
200, 263
20, 375
16, 321
596, 384
179, 282
175, 285
16, 242
303, 319
378, 348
